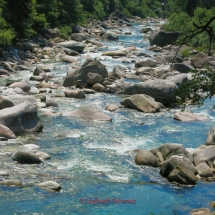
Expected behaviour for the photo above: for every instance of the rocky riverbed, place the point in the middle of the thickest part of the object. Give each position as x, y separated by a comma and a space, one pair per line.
96, 116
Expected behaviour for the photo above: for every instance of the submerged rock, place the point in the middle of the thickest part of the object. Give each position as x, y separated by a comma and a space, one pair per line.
16, 183
142, 102
188, 116
50, 185
24, 157
89, 111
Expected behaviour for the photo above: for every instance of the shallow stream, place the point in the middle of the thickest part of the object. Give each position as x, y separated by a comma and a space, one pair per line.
94, 161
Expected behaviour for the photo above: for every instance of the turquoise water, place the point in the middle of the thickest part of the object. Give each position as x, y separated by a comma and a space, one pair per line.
94, 162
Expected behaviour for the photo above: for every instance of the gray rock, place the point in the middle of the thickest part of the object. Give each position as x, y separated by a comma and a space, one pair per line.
117, 15
205, 155
144, 71
201, 211
110, 36
182, 67
24, 157
6, 132
162, 38
179, 169
24, 86
36, 78
93, 78
5, 103
75, 94
211, 137
118, 72
79, 37
188, 117
145, 157
81, 74
115, 53
3, 173
142, 102
98, 87
204, 170
199, 60
112, 107
51, 103
178, 79
69, 59
147, 62
167, 150
76, 46
89, 111
161, 90
21, 118
42, 155
16, 183
50, 185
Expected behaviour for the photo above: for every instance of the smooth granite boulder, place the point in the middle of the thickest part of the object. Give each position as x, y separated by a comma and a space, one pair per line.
205, 155
5, 102
204, 170
21, 118
145, 157
161, 90
188, 116
142, 102
147, 62
6, 132
118, 72
74, 45
178, 79
24, 86
74, 94
199, 60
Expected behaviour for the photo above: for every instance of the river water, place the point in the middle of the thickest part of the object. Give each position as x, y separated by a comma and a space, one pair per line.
94, 161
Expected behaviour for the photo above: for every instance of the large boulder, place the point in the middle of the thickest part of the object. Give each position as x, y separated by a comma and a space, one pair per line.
145, 157
5, 103
81, 74
118, 72
117, 15
76, 46
211, 137
24, 86
179, 169
79, 37
161, 90
165, 151
24, 157
204, 170
21, 118
142, 102
147, 62
182, 67
188, 116
178, 79
89, 111
199, 60
162, 38
93, 78
205, 155
110, 36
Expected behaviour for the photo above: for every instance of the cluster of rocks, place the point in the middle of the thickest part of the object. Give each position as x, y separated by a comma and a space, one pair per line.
180, 165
